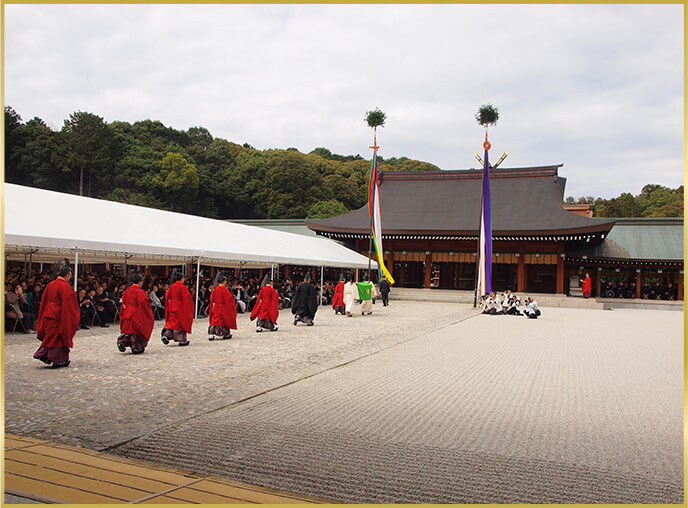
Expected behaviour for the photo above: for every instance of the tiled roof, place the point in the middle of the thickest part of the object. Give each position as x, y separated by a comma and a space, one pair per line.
640, 239
525, 202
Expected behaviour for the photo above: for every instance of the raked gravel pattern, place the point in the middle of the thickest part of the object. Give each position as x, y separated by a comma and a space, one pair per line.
418, 403
105, 397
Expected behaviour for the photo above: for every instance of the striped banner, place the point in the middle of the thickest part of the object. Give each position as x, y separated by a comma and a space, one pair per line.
376, 220
485, 254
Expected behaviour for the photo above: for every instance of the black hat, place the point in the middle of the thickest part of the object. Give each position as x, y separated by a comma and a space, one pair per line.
266, 280
219, 277
62, 268
175, 276
135, 277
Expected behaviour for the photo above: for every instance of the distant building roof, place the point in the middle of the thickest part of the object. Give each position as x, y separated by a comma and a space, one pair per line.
583, 209
297, 226
526, 202
639, 240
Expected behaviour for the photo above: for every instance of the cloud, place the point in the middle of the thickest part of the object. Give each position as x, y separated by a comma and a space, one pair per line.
596, 87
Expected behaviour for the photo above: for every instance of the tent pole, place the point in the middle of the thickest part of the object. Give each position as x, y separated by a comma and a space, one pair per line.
76, 266
321, 284
198, 283
272, 271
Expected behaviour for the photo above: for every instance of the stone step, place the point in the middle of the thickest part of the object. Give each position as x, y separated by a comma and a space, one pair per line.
543, 299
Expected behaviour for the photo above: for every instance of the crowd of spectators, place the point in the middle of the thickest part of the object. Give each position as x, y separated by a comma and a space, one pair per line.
648, 291
100, 294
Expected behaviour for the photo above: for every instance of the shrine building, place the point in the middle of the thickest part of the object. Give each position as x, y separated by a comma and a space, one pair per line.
430, 224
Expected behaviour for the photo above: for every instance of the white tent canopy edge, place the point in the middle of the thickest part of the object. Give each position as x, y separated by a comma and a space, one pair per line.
47, 224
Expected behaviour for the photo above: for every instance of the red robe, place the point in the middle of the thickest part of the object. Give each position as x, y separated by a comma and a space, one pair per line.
587, 286
59, 315
223, 312
136, 316
267, 305
338, 297
179, 308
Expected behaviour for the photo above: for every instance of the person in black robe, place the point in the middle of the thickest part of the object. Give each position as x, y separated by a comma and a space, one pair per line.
384, 290
305, 303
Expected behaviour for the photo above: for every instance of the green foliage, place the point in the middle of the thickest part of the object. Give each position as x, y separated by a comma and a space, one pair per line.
323, 209
653, 201
148, 164
487, 115
375, 118
177, 182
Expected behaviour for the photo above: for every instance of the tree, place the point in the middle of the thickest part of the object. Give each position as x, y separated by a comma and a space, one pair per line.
200, 136
179, 181
13, 144
324, 209
87, 147
34, 158
623, 206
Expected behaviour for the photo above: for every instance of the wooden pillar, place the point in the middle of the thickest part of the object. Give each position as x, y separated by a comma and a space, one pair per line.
260, 275
389, 262
522, 273
167, 271
560, 275
638, 281
680, 285
428, 269
598, 282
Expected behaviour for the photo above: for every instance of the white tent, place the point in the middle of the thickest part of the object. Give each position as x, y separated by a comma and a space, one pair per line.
46, 225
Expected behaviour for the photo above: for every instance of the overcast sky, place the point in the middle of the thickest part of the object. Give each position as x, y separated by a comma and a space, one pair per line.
598, 88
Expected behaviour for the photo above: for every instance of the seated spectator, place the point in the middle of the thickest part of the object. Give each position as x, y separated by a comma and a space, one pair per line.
20, 309
645, 291
87, 308
156, 304
34, 299
668, 292
241, 298
106, 307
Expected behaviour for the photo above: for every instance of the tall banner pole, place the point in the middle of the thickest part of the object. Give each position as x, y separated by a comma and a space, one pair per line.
376, 221
198, 282
76, 266
485, 246
373, 169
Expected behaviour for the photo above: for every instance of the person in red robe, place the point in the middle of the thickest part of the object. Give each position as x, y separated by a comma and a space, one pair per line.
266, 308
58, 319
587, 286
136, 318
223, 311
179, 311
338, 298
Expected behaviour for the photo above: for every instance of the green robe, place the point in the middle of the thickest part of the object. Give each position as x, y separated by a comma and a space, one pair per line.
365, 290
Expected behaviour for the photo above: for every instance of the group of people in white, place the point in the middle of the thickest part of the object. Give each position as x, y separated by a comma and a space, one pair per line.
508, 303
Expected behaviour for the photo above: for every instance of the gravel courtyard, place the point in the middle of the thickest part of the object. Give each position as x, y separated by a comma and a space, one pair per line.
419, 402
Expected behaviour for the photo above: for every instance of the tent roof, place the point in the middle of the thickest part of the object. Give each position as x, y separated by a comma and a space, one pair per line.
52, 224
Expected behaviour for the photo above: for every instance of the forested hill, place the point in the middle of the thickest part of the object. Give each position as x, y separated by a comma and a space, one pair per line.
149, 164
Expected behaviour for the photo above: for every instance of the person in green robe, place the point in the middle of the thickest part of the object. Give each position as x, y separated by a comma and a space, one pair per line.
366, 293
